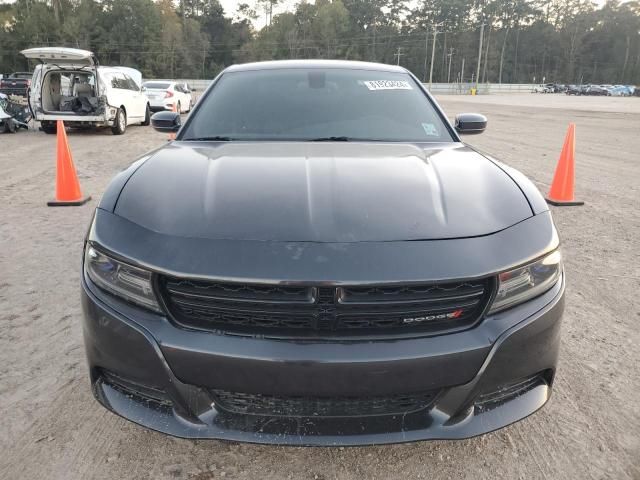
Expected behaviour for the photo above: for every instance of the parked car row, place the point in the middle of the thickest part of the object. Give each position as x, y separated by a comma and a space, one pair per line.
588, 89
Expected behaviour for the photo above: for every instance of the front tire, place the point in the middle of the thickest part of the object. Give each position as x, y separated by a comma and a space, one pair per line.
179, 108
9, 126
49, 127
120, 124
147, 116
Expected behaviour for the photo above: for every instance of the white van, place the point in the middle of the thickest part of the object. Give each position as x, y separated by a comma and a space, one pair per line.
69, 85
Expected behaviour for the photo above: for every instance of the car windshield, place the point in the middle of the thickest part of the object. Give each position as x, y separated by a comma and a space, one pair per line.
156, 85
316, 104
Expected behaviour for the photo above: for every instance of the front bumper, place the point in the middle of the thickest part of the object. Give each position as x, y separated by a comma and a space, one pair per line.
471, 370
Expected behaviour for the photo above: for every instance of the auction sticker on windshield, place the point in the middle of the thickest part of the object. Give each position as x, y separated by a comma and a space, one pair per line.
430, 129
387, 85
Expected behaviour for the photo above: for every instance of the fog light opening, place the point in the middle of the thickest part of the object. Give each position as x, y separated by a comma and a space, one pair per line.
134, 389
511, 390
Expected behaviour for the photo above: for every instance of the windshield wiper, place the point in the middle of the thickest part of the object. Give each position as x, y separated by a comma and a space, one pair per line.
215, 138
330, 139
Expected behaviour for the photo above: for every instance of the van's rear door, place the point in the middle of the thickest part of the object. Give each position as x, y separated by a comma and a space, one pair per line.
63, 57
55, 59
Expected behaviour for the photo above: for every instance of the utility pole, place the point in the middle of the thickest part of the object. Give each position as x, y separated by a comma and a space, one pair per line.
266, 15
433, 52
398, 54
204, 60
462, 72
486, 54
426, 53
375, 22
450, 55
479, 55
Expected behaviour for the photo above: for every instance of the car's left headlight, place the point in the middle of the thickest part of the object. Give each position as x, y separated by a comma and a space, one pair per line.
121, 279
524, 283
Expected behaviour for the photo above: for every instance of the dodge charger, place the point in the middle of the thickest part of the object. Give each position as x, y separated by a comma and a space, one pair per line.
318, 259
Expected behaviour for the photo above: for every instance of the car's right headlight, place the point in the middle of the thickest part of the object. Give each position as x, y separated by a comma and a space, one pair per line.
121, 279
524, 283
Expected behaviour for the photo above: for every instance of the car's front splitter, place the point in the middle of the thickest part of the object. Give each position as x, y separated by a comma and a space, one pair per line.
431, 424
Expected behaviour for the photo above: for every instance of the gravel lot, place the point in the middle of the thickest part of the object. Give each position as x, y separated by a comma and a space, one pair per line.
53, 429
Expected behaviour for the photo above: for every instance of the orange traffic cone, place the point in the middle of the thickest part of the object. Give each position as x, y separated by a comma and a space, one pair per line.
561, 192
172, 135
67, 186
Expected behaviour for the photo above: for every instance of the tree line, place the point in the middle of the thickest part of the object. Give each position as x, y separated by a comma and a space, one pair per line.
523, 41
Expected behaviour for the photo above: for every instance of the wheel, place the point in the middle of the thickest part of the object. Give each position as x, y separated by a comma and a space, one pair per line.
190, 105
9, 126
147, 116
179, 108
120, 124
49, 127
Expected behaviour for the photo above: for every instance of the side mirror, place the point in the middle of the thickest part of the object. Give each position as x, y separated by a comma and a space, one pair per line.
143, 89
166, 122
470, 123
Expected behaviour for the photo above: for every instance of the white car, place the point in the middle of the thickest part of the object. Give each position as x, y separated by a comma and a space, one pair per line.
542, 89
167, 95
70, 85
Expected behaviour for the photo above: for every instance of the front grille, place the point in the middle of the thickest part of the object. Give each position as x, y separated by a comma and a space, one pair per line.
319, 311
257, 404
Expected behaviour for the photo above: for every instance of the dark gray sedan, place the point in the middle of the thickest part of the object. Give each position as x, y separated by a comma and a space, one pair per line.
317, 259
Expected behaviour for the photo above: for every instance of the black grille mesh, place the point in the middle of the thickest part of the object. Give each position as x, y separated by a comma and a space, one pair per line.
303, 311
258, 404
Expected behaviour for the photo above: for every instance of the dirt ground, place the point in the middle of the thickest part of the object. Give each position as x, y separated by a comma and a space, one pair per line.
53, 429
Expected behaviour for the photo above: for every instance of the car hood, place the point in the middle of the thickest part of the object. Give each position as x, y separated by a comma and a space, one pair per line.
321, 192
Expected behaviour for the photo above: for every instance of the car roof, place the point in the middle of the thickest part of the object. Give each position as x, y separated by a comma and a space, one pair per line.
344, 64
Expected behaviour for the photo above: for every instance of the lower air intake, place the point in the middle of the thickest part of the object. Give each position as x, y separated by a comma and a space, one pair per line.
293, 406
